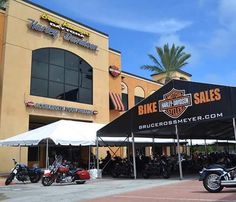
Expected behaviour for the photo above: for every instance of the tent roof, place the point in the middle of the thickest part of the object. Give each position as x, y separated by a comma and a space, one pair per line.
200, 111
63, 132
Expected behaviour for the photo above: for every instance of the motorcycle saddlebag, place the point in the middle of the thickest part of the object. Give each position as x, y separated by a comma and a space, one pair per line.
83, 174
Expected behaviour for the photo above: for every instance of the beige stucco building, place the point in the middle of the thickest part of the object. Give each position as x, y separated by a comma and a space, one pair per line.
53, 68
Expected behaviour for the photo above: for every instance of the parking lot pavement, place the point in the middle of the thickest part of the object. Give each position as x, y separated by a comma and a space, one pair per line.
116, 190
73, 192
183, 191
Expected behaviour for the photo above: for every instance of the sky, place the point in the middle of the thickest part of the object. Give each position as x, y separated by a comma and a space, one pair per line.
207, 29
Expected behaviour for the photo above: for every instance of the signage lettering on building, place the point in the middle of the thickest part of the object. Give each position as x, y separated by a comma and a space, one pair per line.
65, 26
68, 31
34, 25
60, 108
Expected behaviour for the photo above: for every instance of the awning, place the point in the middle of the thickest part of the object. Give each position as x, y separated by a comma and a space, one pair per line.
116, 101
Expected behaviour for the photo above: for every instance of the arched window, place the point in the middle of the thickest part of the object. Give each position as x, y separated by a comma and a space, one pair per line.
138, 94
60, 74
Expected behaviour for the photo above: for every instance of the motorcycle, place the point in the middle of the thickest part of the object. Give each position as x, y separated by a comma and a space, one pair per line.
60, 173
23, 173
122, 167
216, 177
158, 167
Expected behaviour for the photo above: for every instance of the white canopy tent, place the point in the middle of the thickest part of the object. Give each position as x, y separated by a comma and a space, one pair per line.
63, 132
67, 132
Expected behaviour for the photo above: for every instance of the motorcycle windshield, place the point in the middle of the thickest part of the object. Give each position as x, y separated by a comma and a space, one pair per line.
58, 161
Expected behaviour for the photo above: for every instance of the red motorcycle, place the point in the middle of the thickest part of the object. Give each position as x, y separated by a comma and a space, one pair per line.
62, 174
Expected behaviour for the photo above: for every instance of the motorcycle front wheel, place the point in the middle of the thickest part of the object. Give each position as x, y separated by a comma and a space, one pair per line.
47, 181
9, 179
212, 183
35, 178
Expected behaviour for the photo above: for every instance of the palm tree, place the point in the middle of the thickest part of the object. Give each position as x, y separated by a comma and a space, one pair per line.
169, 61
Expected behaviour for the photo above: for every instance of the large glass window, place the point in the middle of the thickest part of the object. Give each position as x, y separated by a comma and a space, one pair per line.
60, 74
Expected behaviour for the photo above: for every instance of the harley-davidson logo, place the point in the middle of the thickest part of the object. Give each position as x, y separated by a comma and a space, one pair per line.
114, 71
175, 103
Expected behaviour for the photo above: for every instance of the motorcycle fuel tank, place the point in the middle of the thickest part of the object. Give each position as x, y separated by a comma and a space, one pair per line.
63, 169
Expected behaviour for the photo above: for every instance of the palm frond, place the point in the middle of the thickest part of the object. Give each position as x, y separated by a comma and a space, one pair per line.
152, 68
156, 62
169, 60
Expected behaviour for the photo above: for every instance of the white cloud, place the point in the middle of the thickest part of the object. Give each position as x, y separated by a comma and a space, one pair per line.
227, 14
157, 27
108, 13
223, 39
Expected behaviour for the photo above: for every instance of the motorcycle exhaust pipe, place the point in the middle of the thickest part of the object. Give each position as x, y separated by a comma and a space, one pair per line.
228, 182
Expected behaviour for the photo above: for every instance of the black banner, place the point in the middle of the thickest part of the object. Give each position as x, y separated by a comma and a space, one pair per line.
181, 102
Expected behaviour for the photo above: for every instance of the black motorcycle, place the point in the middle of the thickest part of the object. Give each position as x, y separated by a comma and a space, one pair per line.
156, 167
23, 173
215, 177
122, 167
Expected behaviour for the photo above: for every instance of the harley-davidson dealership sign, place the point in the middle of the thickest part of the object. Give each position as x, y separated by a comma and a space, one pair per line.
66, 30
114, 71
175, 103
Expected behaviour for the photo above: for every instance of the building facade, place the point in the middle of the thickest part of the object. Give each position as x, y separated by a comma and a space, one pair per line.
53, 68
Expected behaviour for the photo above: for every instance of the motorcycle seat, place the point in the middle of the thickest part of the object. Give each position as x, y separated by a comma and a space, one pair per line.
76, 170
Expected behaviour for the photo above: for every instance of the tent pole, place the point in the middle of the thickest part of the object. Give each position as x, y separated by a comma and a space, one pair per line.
134, 162
153, 147
205, 146
19, 153
234, 128
97, 153
174, 147
47, 154
178, 150
191, 147
89, 150
38, 157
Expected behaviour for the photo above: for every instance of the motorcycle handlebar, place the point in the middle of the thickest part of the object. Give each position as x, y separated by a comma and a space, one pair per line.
14, 160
